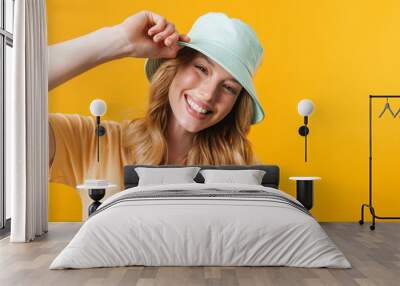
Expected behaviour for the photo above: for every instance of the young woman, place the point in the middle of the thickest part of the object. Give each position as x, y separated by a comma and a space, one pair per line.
201, 100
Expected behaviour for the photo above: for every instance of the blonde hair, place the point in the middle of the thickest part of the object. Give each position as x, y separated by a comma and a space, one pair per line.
223, 143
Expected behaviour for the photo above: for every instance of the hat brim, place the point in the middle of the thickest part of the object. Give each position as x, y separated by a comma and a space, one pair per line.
222, 57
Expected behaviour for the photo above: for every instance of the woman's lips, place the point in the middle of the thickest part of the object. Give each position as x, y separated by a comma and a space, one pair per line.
193, 112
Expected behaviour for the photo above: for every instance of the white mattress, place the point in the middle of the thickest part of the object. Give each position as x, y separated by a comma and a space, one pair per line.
183, 231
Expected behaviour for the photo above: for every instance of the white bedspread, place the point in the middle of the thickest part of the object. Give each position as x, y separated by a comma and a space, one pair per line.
181, 231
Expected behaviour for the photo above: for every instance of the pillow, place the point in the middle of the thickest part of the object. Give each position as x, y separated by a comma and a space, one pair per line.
159, 176
249, 177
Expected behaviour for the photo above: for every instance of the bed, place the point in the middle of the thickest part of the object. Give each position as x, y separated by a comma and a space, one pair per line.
201, 224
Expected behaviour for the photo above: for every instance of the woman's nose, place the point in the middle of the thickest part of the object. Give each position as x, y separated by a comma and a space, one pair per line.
208, 90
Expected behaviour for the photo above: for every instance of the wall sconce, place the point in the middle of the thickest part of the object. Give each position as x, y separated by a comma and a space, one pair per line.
305, 108
98, 108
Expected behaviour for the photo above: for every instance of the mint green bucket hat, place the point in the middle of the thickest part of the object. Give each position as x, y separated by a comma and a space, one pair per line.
230, 43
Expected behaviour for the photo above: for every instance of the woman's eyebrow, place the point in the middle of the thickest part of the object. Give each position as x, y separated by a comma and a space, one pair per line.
211, 63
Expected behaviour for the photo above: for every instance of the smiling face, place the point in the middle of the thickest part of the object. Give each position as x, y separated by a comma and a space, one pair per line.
202, 93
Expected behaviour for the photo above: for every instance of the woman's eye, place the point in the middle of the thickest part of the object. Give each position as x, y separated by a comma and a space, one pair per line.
203, 69
232, 90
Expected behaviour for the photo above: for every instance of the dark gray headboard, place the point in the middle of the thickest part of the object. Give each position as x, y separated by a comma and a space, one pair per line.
271, 177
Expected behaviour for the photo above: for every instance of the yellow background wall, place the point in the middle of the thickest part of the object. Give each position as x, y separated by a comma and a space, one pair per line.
333, 52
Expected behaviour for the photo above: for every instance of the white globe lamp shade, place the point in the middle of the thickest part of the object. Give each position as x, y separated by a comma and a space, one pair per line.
305, 107
98, 107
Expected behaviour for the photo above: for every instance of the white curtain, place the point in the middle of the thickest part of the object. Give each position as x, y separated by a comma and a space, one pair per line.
27, 123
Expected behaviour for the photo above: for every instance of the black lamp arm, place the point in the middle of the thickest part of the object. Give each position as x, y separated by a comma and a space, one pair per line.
303, 131
305, 120
100, 131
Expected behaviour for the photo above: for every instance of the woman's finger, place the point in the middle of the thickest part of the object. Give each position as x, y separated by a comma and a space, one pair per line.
184, 38
159, 21
169, 29
171, 39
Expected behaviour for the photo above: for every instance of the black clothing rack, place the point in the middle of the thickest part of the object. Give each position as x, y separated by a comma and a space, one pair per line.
370, 206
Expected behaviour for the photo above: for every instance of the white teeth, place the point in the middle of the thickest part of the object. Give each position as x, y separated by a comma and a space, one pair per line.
196, 107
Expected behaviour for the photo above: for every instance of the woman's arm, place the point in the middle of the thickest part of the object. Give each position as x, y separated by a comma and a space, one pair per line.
70, 58
52, 145
145, 35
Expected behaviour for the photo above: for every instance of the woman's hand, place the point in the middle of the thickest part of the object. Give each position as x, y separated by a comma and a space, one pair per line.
143, 35
150, 35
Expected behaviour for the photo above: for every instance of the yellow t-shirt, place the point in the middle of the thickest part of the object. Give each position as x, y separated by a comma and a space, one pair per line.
75, 158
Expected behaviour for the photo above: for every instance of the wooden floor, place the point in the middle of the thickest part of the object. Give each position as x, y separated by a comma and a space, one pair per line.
374, 255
